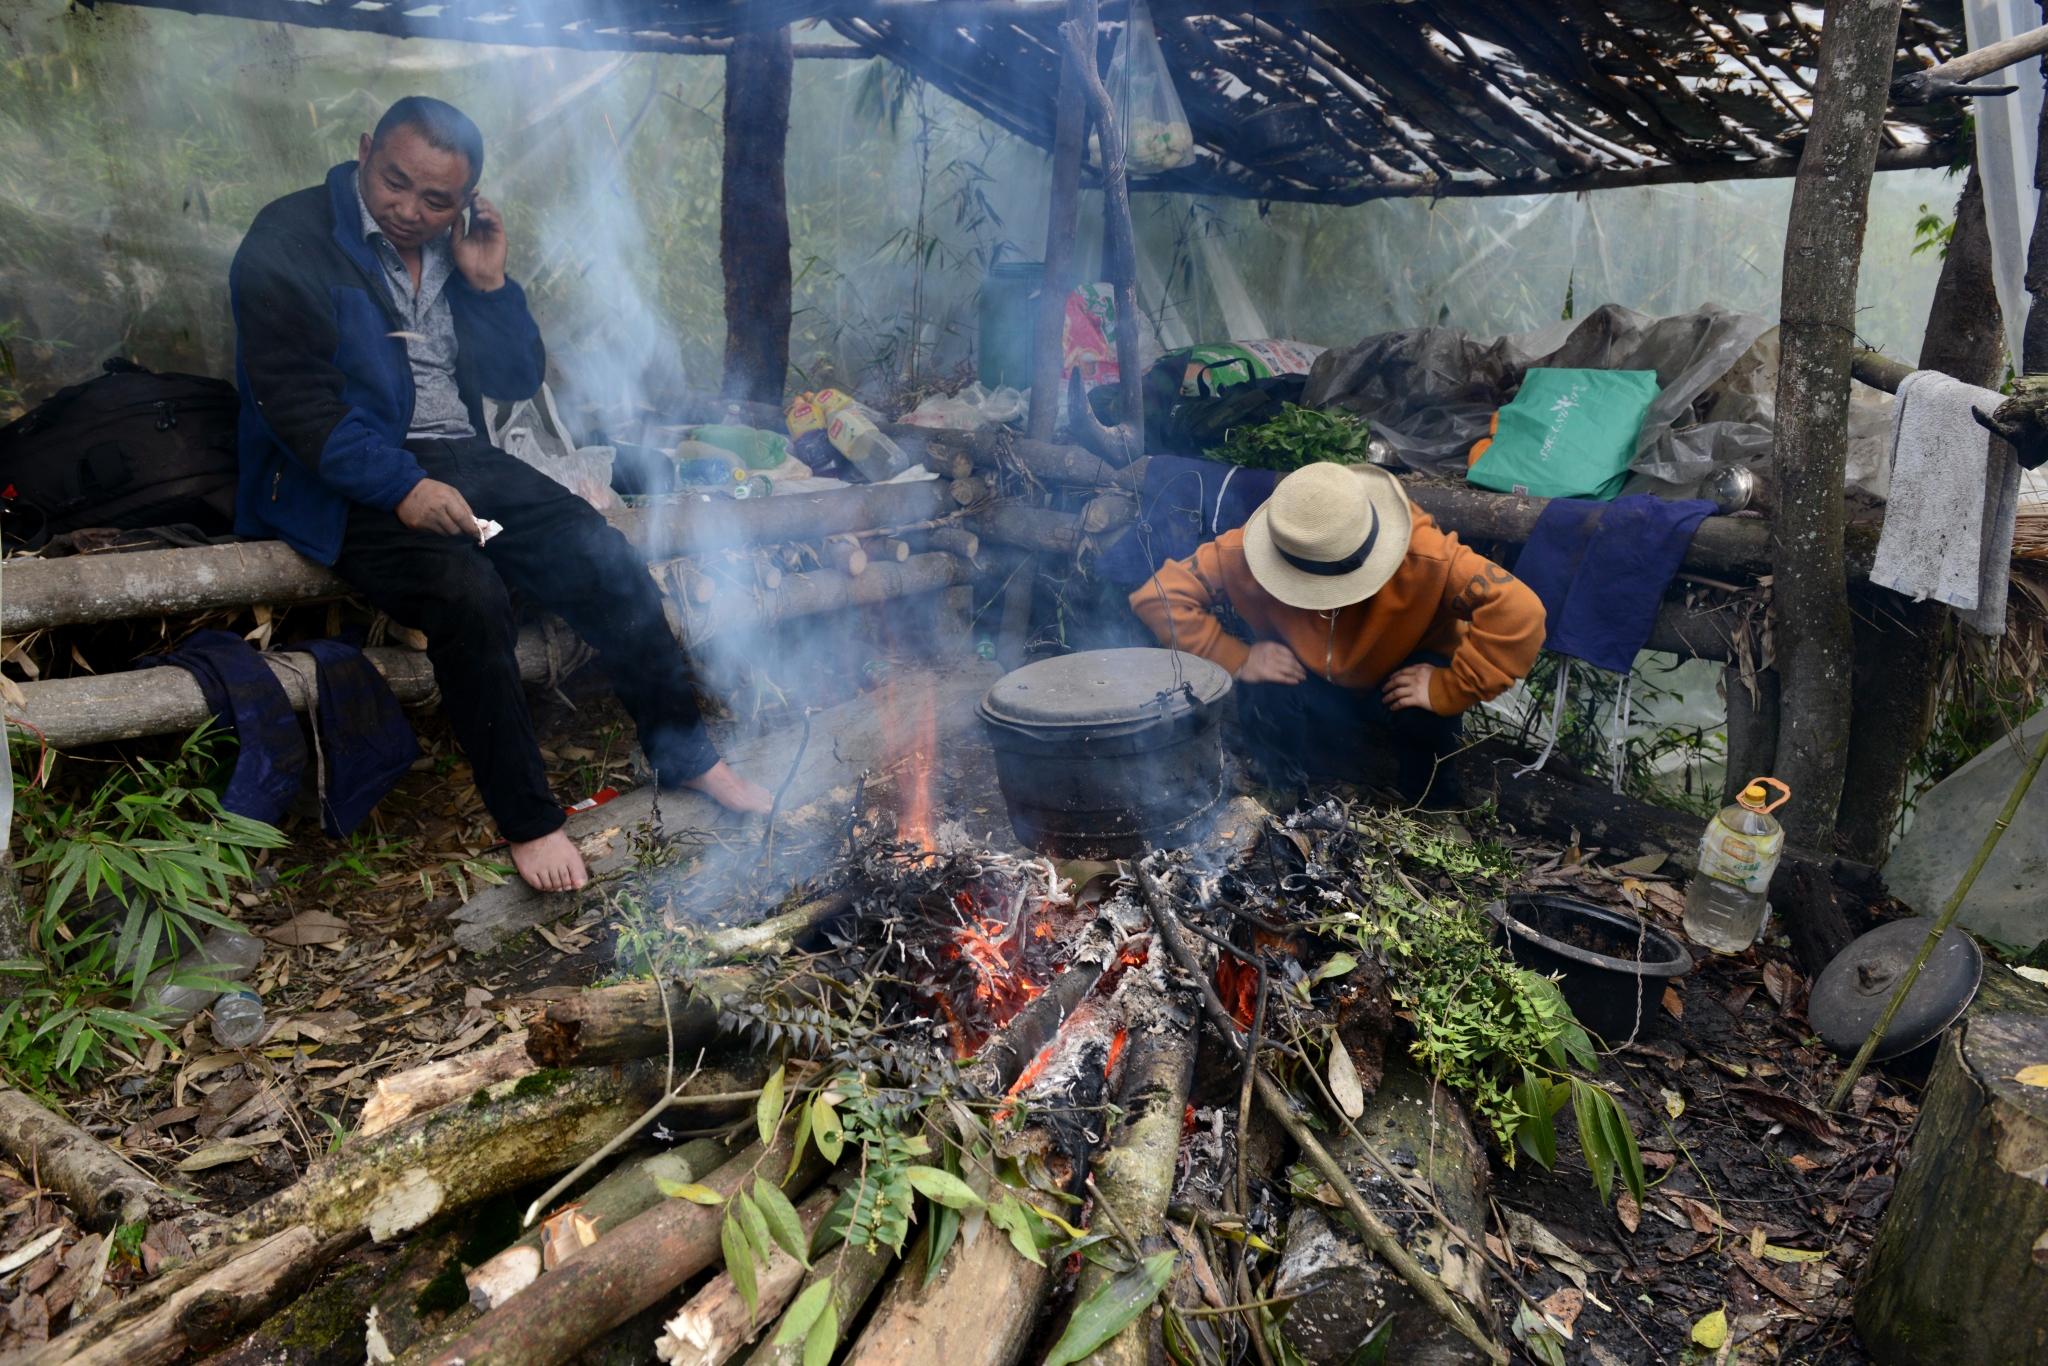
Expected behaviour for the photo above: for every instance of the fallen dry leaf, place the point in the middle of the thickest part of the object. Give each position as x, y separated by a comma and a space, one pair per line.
1344, 1083
1777, 1107
217, 1155
1674, 1003
1640, 867
327, 998
1628, 1211
1802, 1163
1705, 1218
1562, 1308
1674, 1104
2037, 1075
1658, 1161
1711, 1332
1783, 984
309, 927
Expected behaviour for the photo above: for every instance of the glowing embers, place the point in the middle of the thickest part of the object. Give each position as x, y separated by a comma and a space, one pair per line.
1010, 937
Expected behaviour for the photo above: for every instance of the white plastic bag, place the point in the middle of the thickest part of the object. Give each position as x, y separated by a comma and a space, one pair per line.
971, 409
1156, 132
532, 431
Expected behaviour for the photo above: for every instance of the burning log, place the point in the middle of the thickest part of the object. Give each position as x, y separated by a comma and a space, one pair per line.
1381, 1239
1343, 1291
854, 1273
1134, 1175
632, 1187
716, 1323
629, 1022
981, 1311
1003, 1059
777, 934
623, 1273
401, 1097
197, 1306
506, 1136
102, 1187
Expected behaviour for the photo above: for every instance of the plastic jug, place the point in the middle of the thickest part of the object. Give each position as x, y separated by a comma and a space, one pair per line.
1728, 899
856, 437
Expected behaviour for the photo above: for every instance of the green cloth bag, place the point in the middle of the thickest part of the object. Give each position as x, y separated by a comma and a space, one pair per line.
1568, 434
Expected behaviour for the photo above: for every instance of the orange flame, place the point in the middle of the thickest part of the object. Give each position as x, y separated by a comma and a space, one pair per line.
918, 747
1116, 1050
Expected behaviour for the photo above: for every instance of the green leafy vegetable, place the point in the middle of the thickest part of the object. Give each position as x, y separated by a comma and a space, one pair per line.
1298, 436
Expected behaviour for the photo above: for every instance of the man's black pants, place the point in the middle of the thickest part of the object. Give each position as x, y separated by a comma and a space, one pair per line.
558, 551
1315, 730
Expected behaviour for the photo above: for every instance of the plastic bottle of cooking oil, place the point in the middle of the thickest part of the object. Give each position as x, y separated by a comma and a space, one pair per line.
859, 440
1725, 907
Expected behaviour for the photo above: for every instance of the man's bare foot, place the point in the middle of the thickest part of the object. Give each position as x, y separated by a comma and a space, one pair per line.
550, 863
731, 791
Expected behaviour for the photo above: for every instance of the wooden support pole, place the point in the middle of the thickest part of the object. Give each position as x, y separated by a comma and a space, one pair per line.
753, 221
1899, 644
1069, 135
1817, 312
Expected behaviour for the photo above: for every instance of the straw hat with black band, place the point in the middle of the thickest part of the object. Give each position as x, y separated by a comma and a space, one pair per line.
1330, 535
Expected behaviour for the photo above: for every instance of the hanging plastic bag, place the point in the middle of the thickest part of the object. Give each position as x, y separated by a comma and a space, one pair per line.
532, 431
1156, 132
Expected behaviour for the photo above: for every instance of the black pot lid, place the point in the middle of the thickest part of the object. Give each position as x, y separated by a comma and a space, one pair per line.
1105, 688
1854, 988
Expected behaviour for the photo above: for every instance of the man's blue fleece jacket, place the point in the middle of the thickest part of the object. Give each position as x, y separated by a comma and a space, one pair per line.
326, 387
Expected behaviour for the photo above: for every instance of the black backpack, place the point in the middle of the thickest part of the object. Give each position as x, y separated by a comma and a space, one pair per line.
128, 449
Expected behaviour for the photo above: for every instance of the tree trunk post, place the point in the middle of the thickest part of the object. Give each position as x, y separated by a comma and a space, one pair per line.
1956, 1274
753, 219
1823, 250
1899, 643
1752, 728
1070, 127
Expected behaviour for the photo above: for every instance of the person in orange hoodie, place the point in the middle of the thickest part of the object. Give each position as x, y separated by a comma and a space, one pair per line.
1371, 627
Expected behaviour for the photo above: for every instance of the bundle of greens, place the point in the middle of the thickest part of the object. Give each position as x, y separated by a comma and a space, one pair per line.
1298, 436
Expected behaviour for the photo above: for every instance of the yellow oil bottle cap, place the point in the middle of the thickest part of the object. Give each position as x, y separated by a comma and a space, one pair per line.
1755, 795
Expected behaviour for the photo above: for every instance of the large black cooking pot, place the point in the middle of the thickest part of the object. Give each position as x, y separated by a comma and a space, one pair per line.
1103, 753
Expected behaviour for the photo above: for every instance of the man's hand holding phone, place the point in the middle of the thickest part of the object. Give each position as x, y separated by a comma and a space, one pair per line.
478, 244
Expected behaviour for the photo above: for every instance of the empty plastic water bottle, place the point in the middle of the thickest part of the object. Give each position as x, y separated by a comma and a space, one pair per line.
223, 955
237, 1019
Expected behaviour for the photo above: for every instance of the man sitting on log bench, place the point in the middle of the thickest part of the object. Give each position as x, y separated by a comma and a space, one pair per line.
373, 315
1371, 626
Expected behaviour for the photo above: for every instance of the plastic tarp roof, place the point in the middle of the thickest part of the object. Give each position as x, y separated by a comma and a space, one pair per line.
1329, 101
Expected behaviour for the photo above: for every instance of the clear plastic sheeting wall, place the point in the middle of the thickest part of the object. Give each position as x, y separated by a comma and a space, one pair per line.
136, 145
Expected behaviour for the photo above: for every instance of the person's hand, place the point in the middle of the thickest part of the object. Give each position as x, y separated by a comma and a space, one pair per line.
1408, 687
435, 506
479, 246
1271, 662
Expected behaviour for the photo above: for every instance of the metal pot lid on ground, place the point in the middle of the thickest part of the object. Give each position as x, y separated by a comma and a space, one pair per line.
1105, 691
1852, 991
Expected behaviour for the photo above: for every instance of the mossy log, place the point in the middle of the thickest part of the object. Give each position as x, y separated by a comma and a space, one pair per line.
326, 1326
631, 1187
716, 1323
198, 1307
1958, 1275
623, 1274
982, 1310
629, 1021
1345, 1293
505, 1136
102, 1187
854, 1273
1135, 1172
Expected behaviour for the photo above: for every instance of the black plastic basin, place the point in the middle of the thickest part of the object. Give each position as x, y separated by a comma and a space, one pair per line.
1592, 950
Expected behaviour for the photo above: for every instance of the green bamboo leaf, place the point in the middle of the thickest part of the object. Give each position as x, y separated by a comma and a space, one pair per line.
768, 1109
825, 1130
803, 1138
798, 1318
1111, 1309
739, 1261
783, 1225
756, 1225
823, 1338
695, 1194
1010, 1215
941, 1187
1535, 1135
945, 1228
1621, 1147
1586, 1103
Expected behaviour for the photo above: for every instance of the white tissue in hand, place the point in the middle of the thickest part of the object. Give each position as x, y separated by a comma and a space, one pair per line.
485, 528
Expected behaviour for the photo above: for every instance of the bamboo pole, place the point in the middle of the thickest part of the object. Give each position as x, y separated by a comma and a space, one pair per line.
1069, 135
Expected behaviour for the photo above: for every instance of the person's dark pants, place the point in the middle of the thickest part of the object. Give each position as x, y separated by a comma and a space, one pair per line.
1315, 730
559, 551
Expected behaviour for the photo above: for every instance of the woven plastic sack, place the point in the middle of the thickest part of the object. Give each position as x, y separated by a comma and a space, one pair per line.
1156, 132
1568, 434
